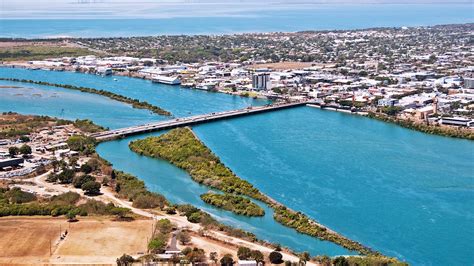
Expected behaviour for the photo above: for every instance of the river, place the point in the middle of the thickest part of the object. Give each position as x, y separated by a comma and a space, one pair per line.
401, 192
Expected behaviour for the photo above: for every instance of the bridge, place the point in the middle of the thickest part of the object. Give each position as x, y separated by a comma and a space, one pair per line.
192, 120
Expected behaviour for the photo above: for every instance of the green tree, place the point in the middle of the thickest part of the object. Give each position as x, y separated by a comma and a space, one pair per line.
125, 260
195, 217
243, 253
24, 139
120, 212
78, 181
227, 260
164, 226
275, 257
66, 176
13, 151
158, 243
81, 144
257, 255
71, 215
340, 261
91, 187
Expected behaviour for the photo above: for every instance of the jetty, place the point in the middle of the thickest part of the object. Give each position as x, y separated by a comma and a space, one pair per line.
193, 120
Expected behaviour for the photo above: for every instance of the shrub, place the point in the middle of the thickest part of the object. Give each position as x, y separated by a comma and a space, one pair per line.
65, 198
125, 260
158, 243
149, 201
183, 237
91, 188
275, 257
195, 217
164, 226
16, 195
78, 181
227, 260
243, 253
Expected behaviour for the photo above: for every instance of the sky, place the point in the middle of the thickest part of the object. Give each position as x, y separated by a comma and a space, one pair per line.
10, 9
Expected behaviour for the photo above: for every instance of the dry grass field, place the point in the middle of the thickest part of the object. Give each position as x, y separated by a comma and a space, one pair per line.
91, 240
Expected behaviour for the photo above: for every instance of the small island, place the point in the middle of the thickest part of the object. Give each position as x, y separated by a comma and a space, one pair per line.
182, 148
234, 203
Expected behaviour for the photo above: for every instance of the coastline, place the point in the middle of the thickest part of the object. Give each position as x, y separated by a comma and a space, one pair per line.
438, 130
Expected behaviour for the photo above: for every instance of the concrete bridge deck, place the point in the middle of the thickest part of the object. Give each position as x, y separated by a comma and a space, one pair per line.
192, 120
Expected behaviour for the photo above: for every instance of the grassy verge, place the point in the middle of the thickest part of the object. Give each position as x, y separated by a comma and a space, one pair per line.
183, 149
31, 52
234, 203
134, 102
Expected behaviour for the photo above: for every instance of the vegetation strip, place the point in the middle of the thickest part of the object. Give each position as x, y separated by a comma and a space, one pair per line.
181, 148
34, 51
134, 102
234, 203
428, 129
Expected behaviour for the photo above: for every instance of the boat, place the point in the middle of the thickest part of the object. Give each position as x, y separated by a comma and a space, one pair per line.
166, 80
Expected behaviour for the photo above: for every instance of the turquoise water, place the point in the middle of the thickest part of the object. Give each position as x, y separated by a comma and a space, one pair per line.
67, 104
237, 19
404, 193
180, 101
178, 187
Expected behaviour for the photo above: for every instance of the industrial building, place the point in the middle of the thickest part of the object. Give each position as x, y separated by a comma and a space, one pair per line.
10, 162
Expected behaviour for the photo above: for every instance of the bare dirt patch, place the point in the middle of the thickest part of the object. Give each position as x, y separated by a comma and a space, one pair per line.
91, 240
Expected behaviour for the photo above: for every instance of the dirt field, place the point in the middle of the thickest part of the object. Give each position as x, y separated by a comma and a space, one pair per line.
91, 240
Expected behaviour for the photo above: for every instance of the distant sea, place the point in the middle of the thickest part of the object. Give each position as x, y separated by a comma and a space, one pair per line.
314, 17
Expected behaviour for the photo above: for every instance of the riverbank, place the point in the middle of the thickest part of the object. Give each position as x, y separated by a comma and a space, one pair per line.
24, 65
234, 203
444, 131
183, 149
433, 129
134, 102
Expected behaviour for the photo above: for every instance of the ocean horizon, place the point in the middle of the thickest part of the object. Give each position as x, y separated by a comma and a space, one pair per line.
240, 20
